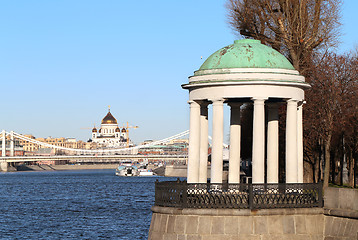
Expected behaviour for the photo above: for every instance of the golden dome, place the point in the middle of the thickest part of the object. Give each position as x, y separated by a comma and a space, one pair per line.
94, 129
109, 119
124, 130
117, 129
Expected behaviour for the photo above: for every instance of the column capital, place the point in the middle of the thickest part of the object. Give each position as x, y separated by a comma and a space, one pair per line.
217, 102
293, 103
259, 100
214, 100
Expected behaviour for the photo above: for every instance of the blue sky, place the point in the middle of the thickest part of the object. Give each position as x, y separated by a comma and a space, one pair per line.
63, 62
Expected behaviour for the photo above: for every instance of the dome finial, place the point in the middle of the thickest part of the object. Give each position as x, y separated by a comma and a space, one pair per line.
109, 108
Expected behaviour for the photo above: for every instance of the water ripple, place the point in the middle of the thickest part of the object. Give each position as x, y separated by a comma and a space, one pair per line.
75, 205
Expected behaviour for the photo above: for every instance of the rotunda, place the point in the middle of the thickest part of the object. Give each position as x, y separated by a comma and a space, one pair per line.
245, 72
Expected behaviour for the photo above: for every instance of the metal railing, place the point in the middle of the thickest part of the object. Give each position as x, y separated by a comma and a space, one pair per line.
238, 196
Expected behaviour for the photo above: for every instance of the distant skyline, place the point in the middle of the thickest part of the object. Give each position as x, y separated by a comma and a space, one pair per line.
63, 62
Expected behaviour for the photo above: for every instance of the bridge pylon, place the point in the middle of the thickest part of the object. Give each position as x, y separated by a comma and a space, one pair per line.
3, 144
3, 165
12, 147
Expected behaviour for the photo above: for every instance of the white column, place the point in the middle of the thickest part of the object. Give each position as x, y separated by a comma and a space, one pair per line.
217, 142
12, 149
291, 141
204, 142
258, 141
235, 141
272, 144
3, 145
194, 143
299, 144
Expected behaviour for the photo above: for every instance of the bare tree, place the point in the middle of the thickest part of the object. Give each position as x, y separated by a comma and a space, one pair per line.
331, 112
295, 28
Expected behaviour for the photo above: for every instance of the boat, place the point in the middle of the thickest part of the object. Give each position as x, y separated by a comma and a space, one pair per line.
145, 173
126, 171
128, 168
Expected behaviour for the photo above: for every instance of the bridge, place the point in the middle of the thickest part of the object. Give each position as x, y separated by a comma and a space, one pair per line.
95, 159
101, 155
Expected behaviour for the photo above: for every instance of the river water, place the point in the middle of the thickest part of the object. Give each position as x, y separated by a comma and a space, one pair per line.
87, 204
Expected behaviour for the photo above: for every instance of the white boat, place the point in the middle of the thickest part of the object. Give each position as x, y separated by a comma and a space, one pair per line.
145, 173
127, 171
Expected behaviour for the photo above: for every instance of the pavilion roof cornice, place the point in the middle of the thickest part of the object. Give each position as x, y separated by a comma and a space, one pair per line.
204, 83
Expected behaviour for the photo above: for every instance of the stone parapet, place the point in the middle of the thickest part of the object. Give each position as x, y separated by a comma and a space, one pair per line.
173, 223
341, 198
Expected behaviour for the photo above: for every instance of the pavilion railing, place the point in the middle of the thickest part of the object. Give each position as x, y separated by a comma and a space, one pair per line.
238, 196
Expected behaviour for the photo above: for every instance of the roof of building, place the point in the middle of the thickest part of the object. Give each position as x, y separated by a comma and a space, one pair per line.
109, 119
246, 53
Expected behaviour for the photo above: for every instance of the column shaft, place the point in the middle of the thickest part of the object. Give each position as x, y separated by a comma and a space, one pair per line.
299, 144
217, 142
272, 144
235, 141
258, 142
194, 143
291, 142
204, 142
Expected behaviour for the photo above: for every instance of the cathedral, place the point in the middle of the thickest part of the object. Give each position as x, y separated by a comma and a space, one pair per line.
110, 135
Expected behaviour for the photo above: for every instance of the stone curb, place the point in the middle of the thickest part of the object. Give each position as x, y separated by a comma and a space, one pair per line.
341, 213
237, 212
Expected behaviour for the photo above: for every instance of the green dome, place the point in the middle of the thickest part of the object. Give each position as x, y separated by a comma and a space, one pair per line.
246, 53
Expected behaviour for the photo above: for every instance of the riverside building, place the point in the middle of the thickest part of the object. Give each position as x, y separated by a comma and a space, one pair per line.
24, 147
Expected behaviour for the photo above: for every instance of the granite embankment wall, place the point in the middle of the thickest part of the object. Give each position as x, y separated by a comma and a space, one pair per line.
235, 224
338, 220
341, 213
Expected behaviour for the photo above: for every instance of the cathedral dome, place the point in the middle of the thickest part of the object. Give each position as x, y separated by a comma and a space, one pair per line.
109, 119
94, 129
117, 129
124, 130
